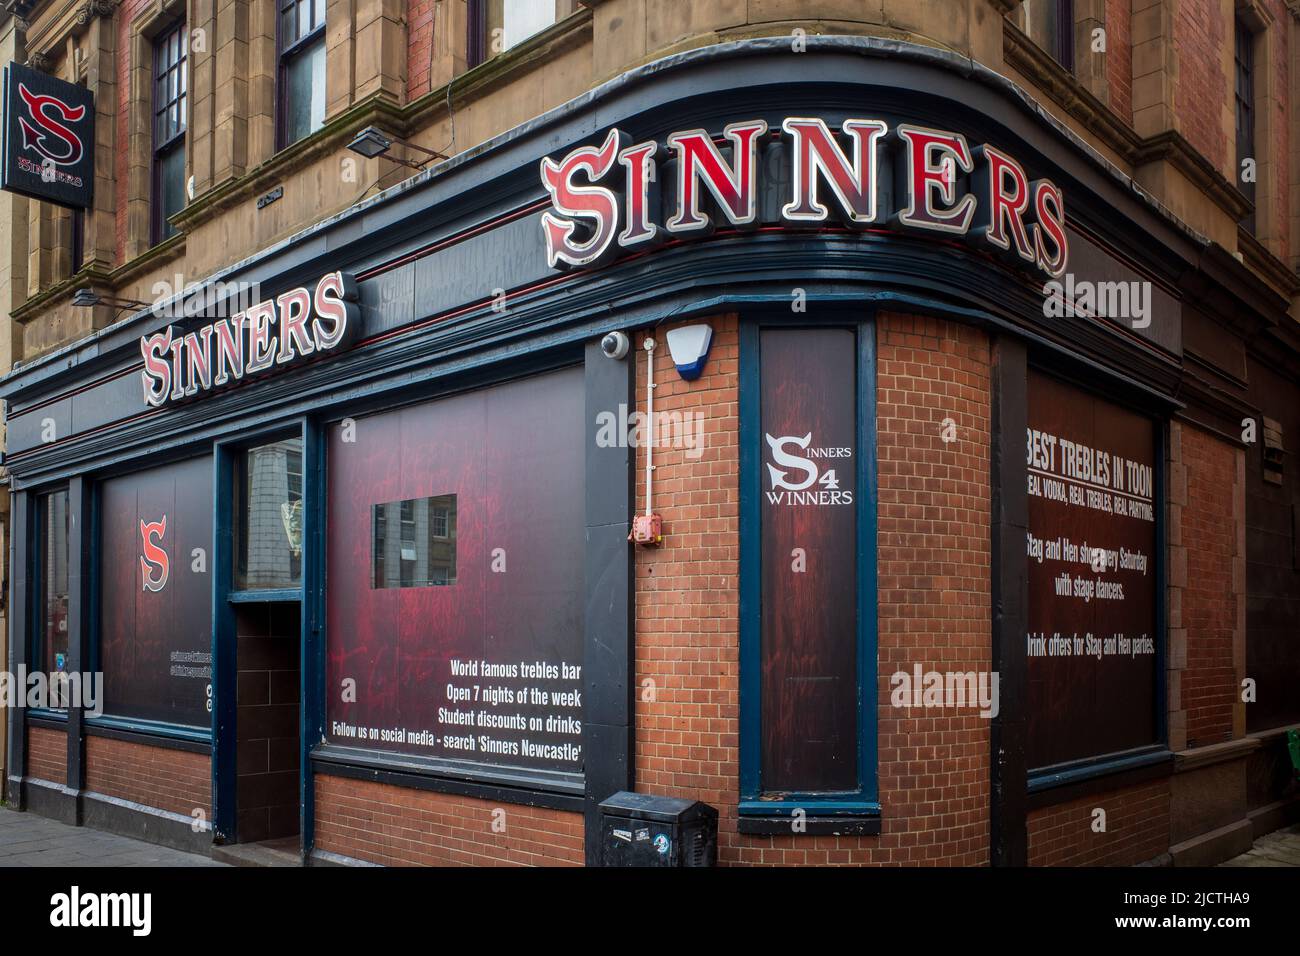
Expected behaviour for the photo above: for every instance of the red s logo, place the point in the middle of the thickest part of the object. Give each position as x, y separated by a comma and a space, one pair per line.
37, 140
154, 558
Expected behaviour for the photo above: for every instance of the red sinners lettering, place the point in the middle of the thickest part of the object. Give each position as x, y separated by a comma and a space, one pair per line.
941, 185
154, 565
296, 324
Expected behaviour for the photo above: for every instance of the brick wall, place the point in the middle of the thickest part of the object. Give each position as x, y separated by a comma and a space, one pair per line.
1119, 58
934, 565
419, 46
1280, 127
1136, 829
47, 754
1202, 92
1210, 600
174, 780
398, 826
934, 601
687, 616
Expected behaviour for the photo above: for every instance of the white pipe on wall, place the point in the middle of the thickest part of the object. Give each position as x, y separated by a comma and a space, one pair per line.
649, 346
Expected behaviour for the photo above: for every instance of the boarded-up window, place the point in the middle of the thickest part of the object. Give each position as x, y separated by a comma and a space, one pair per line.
155, 588
1091, 551
456, 568
808, 634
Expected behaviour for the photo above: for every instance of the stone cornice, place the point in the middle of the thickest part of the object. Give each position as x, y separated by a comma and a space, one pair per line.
53, 295
95, 8
1270, 267
45, 29
72, 21
535, 51
1174, 148
94, 274
72, 17
379, 110
1170, 146
1028, 58
376, 110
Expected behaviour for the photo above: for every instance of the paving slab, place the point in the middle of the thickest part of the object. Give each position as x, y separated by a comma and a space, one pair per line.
27, 839
1279, 848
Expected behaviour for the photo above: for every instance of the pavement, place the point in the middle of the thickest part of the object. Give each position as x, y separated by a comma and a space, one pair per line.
1279, 848
30, 840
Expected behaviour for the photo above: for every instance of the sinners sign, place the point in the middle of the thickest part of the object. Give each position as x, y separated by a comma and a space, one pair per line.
605, 198
264, 336
47, 138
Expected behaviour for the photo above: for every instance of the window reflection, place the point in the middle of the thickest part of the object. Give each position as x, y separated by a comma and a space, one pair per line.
414, 543
53, 635
268, 503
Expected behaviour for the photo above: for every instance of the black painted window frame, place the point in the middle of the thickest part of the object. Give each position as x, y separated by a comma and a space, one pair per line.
290, 48
1246, 116
167, 139
1063, 48
1056, 37
477, 40
37, 575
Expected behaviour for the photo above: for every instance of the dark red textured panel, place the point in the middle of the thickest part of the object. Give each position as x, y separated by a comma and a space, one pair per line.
809, 612
513, 455
156, 645
1083, 705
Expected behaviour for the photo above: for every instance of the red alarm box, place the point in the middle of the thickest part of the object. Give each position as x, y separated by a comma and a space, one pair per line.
647, 530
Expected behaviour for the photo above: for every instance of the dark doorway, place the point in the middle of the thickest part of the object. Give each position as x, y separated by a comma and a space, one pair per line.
267, 724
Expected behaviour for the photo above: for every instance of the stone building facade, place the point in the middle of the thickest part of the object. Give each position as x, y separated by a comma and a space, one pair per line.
1169, 127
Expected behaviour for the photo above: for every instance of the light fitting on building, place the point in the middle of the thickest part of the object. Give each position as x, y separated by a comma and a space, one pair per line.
370, 142
86, 297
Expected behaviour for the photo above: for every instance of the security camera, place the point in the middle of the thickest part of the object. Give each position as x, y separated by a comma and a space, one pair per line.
615, 345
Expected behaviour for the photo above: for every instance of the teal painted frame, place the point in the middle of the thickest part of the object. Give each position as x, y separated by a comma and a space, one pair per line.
35, 637
225, 663
137, 725
865, 800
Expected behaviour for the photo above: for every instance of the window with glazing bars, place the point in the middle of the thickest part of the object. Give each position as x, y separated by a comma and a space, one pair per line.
1244, 84
170, 88
497, 25
301, 106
